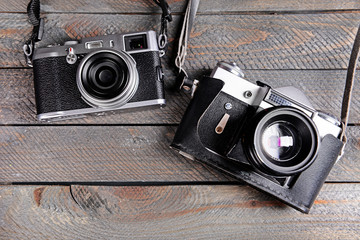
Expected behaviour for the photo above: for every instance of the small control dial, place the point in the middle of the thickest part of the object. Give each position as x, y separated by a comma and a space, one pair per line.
71, 58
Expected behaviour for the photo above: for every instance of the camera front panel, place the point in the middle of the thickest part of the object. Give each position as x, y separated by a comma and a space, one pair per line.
57, 95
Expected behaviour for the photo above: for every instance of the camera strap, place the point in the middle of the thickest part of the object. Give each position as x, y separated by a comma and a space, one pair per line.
186, 83
349, 85
33, 12
165, 19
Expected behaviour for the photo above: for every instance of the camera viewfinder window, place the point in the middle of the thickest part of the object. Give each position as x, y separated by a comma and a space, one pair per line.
137, 42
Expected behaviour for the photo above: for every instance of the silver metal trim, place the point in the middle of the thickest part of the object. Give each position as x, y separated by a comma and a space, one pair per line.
151, 42
115, 41
237, 86
325, 127
124, 96
97, 44
80, 113
71, 42
231, 67
188, 156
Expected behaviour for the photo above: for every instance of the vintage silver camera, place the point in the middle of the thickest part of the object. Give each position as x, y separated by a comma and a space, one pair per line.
98, 74
273, 139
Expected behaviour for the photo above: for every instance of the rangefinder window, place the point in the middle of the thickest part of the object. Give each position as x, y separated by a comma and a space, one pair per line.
135, 42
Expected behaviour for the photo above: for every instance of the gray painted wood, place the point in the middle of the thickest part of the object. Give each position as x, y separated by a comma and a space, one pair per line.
205, 6
95, 154
292, 41
173, 212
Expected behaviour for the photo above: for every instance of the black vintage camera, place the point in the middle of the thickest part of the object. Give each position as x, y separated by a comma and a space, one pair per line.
273, 139
99, 74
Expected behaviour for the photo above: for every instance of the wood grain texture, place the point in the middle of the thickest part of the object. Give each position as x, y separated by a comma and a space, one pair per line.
163, 195
324, 88
205, 6
293, 41
95, 154
173, 212
123, 154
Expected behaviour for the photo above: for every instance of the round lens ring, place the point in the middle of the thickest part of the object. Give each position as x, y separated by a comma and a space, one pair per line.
107, 78
282, 142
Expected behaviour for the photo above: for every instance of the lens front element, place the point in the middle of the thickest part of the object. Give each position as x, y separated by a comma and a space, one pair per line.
107, 78
283, 141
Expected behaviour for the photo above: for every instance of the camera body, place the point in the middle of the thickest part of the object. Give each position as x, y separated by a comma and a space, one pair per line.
98, 74
273, 139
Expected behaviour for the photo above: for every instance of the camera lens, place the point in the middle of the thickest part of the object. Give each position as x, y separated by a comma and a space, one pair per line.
283, 141
107, 78
104, 76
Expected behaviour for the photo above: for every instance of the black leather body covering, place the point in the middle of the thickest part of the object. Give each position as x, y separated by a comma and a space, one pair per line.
196, 135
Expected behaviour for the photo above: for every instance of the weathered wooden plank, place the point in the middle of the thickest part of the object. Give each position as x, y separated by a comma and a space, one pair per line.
324, 89
95, 154
173, 212
291, 41
117, 154
205, 6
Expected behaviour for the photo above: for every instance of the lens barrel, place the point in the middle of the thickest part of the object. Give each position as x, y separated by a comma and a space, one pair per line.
282, 141
107, 78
